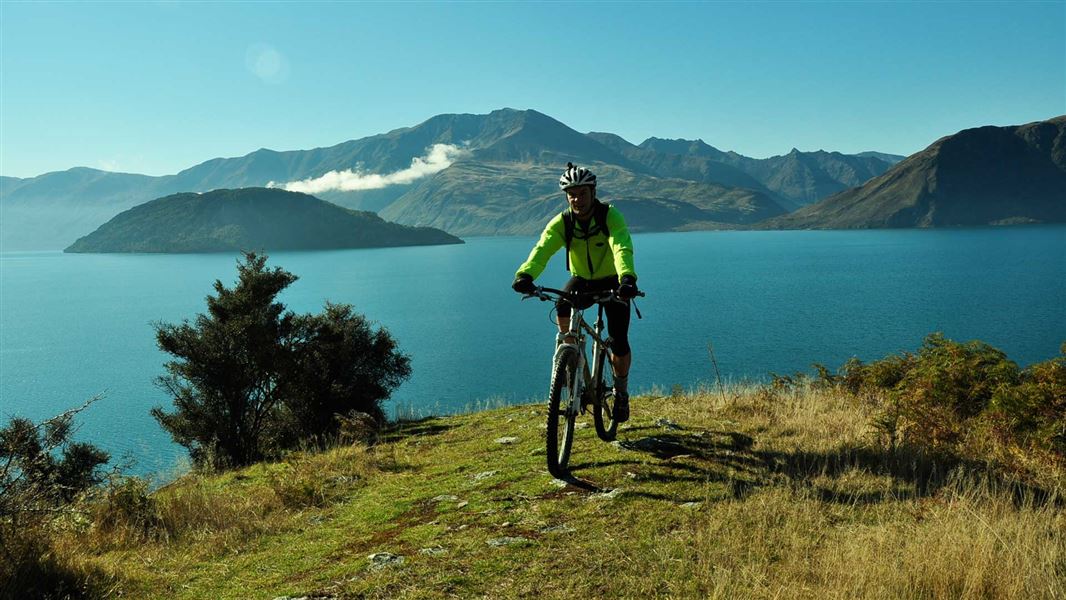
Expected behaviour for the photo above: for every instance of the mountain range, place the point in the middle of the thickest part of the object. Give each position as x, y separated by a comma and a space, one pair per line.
979, 176
500, 180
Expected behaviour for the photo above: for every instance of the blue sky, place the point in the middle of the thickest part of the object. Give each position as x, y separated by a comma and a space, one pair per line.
157, 87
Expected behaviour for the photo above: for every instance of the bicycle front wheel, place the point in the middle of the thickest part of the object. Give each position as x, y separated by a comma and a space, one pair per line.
561, 413
603, 412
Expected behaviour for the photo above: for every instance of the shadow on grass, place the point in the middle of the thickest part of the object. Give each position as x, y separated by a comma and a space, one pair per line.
576, 484
920, 474
37, 572
729, 458
422, 427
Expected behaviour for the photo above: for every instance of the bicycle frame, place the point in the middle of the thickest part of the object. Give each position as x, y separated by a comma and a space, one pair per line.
581, 331
573, 385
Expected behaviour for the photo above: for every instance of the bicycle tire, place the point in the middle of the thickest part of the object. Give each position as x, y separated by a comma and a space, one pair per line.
560, 434
603, 411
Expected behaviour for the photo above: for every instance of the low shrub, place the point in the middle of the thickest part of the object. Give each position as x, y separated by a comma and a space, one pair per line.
1035, 408
42, 475
965, 401
127, 510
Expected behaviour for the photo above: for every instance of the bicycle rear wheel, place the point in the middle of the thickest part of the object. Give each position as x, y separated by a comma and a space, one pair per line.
603, 412
560, 400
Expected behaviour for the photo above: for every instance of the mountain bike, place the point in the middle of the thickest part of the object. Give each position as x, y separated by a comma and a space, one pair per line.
574, 385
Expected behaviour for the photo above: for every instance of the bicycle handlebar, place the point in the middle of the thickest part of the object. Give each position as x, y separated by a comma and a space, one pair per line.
576, 297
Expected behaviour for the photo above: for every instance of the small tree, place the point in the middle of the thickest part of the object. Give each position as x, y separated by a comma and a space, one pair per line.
41, 473
251, 378
341, 365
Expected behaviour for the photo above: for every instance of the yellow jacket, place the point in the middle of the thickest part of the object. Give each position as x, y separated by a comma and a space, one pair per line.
609, 253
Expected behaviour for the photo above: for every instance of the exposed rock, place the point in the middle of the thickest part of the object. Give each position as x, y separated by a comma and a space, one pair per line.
380, 560
509, 541
666, 423
343, 480
484, 475
506, 440
433, 551
446, 498
608, 495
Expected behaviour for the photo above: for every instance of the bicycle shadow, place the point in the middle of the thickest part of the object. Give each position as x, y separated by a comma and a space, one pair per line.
677, 455
576, 484
698, 457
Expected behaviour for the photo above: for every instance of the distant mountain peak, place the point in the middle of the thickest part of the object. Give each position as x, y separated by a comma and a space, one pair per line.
681, 146
978, 176
706, 186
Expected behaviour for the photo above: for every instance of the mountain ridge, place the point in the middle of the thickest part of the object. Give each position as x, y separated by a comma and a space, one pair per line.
979, 176
52, 209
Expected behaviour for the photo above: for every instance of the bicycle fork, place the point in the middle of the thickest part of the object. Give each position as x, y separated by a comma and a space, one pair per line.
577, 386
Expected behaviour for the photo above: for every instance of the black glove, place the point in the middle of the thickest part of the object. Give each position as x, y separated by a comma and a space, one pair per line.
523, 284
628, 287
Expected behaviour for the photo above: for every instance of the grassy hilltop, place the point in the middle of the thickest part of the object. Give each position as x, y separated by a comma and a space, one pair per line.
759, 492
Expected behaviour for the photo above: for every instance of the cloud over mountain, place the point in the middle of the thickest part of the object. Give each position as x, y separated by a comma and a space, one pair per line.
437, 158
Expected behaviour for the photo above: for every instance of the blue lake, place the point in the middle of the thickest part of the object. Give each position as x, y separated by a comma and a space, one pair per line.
73, 326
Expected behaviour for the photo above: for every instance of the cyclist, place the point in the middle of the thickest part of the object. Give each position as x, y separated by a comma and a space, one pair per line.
600, 257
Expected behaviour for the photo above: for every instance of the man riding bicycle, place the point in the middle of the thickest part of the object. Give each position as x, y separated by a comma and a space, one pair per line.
600, 257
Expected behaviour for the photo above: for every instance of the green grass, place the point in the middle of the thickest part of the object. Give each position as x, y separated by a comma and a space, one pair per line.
750, 495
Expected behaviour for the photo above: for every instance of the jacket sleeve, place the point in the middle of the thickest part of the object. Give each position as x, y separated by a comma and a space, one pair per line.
621, 243
551, 240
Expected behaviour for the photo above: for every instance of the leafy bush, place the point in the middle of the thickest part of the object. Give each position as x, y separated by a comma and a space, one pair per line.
251, 379
41, 473
966, 400
127, 510
880, 375
341, 365
1035, 408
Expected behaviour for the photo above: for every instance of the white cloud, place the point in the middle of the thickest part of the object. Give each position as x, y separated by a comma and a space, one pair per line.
122, 163
438, 158
108, 164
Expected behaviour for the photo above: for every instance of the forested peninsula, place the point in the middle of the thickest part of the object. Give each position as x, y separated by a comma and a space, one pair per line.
249, 219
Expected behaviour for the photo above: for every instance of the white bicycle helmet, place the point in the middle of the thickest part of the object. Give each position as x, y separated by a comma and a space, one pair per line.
576, 176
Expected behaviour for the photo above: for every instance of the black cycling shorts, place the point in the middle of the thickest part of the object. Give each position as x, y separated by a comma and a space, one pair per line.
617, 314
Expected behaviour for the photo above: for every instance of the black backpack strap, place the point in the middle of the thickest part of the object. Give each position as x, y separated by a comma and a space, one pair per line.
600, 216
599, 223
568, 234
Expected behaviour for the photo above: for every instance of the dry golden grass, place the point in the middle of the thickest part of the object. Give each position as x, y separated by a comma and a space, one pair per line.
746, 493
